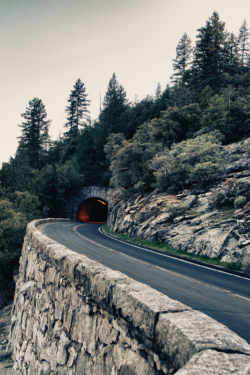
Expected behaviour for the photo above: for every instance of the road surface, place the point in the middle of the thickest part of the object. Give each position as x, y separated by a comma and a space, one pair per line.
222, 296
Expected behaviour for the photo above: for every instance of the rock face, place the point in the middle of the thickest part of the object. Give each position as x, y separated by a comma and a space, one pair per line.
72, 315
167, 218
190, 221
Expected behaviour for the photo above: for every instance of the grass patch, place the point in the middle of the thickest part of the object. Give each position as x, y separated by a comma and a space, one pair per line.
192, 212
168, 249
225, 213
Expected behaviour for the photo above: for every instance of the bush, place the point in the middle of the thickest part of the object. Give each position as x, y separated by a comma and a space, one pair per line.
12, 231
204, 173
243, 188
232, 192
197, 160
240, 201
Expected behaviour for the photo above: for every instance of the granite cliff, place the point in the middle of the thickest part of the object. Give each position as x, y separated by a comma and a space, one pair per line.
214, 221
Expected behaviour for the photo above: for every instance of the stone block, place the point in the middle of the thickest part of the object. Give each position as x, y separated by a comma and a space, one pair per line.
141, 305
211, 362
182, 335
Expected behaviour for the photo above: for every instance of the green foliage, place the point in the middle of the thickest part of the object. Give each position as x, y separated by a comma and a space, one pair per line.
215, 116
170, 141
240, 201
174, 124
243, 43
114, 142
54, 183
35, 136
17, 174
27, 204
181, 64
195, 161
129, 166
232, 192
205, 97
211, 54
205, 173
12, 230
114, 105
159, 245
77, 110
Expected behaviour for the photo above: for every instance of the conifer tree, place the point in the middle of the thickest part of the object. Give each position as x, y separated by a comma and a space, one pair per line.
158, 92
35, 136
210, 54
181, 64
232, 55
114, 104
243, 43
77, 110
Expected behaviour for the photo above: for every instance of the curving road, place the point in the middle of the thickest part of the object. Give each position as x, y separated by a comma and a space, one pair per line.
222, 296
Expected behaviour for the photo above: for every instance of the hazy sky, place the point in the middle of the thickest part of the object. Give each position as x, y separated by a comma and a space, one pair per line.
46, 45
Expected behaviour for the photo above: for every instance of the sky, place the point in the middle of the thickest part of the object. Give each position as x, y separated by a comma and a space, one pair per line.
46, 45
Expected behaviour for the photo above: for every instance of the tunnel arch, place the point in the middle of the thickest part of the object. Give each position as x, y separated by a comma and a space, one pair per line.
93, 210
75, 201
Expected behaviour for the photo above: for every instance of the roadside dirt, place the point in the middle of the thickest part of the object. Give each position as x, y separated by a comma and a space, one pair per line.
6, 364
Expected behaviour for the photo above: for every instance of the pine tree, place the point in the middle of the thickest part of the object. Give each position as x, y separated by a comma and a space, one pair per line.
210, 54
77, 110
35, 136
114, 104
243, 43
215, 116
181, 64
232, 55
158, 92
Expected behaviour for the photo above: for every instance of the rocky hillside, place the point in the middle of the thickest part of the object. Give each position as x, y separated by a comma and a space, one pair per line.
213, 221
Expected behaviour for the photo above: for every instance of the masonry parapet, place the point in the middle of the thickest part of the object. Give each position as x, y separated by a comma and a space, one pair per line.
72, 315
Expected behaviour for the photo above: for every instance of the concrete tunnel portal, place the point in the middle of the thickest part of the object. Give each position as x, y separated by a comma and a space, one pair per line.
93, 210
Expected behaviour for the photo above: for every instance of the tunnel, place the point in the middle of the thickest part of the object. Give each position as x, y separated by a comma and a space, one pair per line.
93, 210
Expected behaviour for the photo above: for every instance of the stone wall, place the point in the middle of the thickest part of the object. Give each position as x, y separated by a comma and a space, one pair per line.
72, 315
73, 202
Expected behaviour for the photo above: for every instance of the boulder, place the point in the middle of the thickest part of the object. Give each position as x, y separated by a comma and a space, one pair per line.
189, 201
147, 213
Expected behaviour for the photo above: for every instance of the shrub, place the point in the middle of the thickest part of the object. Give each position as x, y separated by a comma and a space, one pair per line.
204, 173
232, 192
243, 188
240, 201
197, 161
226, 193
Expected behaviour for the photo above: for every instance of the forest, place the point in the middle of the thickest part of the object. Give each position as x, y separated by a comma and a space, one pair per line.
170, 141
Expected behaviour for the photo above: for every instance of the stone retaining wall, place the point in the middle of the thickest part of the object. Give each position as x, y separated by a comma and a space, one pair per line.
72, 315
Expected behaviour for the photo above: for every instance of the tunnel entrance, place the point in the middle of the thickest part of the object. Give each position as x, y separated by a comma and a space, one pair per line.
93, 210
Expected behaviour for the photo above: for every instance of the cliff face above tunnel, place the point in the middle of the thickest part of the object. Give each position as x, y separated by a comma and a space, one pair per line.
72, 315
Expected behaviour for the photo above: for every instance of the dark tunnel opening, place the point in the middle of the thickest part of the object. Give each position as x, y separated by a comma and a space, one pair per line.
93, 210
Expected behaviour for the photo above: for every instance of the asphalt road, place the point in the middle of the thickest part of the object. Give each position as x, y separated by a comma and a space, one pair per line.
222, 296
